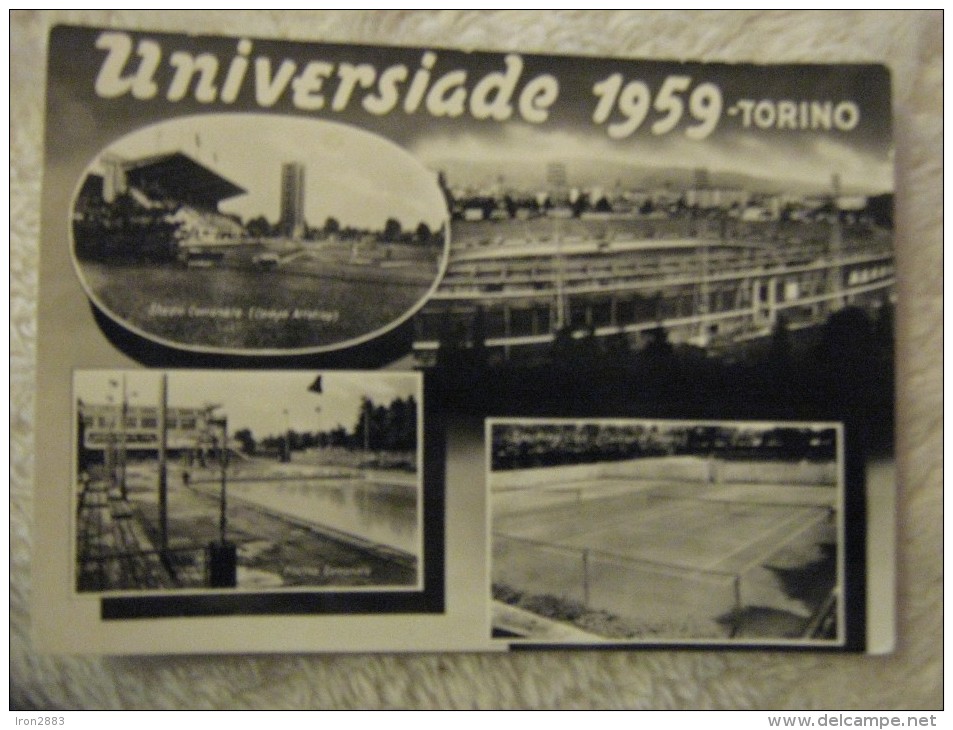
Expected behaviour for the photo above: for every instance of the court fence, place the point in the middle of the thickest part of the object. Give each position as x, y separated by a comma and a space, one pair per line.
668, 600
650, 596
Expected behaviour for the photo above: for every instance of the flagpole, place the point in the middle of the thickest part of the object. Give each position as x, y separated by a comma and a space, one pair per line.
163, 450
122, 439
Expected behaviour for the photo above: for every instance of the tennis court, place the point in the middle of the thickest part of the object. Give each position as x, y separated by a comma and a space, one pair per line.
685, 556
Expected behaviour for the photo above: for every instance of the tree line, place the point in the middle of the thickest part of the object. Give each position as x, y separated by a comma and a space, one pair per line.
392, 232
377, 427
522, 446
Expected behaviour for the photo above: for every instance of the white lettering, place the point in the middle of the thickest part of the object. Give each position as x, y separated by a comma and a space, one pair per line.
269, 89
236, 72
846, 116
418, 85
186, 66
447, 96
537, 97
307, 85
501, 87
350, 77
110, 83
387, 92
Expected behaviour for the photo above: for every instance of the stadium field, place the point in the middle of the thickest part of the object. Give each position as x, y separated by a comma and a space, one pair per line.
233, 308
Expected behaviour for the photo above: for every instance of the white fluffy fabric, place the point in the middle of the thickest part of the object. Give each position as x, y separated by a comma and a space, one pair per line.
910, 43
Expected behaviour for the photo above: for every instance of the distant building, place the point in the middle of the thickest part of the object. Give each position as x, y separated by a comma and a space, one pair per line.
108, 429
103, 427
557, 179
114, 178
716, 198
292, 199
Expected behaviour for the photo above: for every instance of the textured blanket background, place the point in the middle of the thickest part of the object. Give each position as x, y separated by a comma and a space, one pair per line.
909, 42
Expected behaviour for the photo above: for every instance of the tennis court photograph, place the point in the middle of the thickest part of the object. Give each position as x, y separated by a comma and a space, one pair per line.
645, 531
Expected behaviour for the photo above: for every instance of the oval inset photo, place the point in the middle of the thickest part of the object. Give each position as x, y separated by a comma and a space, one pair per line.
258, 234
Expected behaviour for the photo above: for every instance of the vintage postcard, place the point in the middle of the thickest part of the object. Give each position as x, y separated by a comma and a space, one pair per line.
370, 348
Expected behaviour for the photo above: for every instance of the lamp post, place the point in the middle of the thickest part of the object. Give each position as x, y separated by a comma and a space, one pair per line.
110, 452
223, 555
367, 428
118, 437
122, 440
222, 423
366, 419
287, 454
162, 465
121, 450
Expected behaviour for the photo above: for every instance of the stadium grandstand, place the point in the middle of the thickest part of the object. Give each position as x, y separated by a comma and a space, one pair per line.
712, 267
162, 207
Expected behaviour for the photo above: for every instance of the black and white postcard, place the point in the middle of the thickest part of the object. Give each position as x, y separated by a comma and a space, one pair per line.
370, 348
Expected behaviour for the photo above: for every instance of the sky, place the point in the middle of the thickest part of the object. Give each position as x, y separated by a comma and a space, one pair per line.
267, 402
805, 159
355, 176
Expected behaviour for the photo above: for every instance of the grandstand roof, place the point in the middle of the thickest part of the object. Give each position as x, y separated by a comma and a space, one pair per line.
530, 248
179, 177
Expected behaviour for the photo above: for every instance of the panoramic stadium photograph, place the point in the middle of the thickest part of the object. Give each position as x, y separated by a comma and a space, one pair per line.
615, 531
608, 254
257, 233
713, 279
247, 481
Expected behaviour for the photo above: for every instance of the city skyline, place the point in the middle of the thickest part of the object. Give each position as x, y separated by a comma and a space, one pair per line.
523, 155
